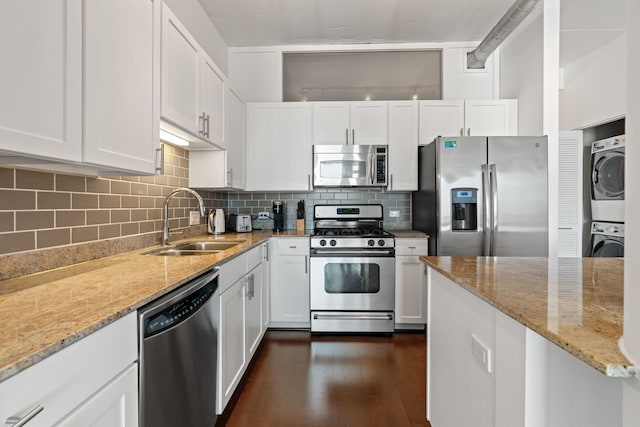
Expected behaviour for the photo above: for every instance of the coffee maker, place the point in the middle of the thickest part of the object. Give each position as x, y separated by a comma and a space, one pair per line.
278, 216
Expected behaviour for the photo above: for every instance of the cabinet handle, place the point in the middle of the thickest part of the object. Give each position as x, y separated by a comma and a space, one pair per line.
230, 173
266, 252
20, 421
206, 125
251, 286
306, 269
201, 124
411, 247
308, 182
461, 132
468, 131
353, 137
292, 247
160, 166
390, 182
346, 136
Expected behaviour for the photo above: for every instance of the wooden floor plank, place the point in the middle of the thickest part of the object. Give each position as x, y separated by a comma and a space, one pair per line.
305, 380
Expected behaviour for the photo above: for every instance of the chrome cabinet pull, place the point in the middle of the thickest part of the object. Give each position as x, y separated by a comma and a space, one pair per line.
230, 173
160, 166
20, 421
390, 181
353, 137
306, 269
266, 251
412, 247
201, 124
461, 132
292, 247
346, 136
206, 125
468, 131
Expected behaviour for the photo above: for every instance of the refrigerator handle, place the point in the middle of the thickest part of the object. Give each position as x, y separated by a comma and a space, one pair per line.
494, 207
486, 211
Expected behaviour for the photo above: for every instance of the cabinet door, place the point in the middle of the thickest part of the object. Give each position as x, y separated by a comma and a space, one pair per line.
41, 78
290, 282
122, 84
114, 405
403, 145
236, 141
181, 67
266, 288
331, 123
232, 361
440, 118
279, 145
497, 117
254, 310
213, 100
369, 123
411, 290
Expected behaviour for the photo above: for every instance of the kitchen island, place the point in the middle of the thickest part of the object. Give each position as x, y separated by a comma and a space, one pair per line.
525, 341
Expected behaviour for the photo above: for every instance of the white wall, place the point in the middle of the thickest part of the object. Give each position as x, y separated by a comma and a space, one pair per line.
631, 337
256, 72
596, 92
521, 71
193, 16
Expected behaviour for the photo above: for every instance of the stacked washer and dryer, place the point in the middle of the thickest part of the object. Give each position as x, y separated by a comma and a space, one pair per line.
607, 197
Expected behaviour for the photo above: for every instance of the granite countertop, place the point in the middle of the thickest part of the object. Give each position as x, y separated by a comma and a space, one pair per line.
576, 303
44, 312
408, 233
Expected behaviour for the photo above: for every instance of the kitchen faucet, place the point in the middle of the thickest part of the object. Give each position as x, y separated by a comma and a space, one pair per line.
165, 224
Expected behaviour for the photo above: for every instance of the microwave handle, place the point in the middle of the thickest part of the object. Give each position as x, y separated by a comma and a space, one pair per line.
372, 160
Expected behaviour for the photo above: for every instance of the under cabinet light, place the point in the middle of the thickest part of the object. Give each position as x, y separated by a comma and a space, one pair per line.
173, 139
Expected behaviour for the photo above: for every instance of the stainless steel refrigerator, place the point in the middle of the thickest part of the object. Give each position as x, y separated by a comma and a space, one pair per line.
483, 196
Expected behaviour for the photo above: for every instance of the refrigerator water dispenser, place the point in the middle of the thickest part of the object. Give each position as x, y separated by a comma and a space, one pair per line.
464, 209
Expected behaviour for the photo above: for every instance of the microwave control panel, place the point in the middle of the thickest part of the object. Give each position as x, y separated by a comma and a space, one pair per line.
381, 165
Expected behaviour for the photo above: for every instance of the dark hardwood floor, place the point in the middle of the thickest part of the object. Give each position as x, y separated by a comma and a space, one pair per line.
303, 380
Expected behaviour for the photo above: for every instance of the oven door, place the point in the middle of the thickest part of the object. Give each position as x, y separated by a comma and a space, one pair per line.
352, 282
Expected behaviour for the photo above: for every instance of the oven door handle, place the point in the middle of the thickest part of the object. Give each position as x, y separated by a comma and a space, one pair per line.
353, 253
346, 316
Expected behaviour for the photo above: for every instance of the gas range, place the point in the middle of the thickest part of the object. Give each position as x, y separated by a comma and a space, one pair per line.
350, 226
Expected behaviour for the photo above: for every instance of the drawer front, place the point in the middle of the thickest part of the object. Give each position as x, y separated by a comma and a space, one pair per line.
254, 257
231, 271
411, 246
65, 379
292, 246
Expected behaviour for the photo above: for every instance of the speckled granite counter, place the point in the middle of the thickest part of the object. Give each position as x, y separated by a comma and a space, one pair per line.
44, 312
576, 303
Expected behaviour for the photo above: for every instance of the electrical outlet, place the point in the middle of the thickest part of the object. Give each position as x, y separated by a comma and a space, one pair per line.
394, 214
481, 353
263, 215
194, 217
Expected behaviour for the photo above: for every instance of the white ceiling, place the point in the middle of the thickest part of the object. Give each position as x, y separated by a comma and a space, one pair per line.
288, 22
586, 24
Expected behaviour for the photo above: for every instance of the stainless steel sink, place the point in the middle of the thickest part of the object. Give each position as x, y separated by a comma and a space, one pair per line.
194, 248
207, 245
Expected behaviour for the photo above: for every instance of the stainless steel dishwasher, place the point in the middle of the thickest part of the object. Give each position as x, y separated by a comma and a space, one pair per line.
178, 355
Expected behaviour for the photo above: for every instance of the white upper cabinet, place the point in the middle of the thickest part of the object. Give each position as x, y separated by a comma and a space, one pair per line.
403, 145
223, 168
494, 117
279, 146
80, 85
41, 78
193, 88
122, 84
349, 122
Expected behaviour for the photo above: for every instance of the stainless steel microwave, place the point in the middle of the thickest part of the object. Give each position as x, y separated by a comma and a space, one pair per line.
350, 165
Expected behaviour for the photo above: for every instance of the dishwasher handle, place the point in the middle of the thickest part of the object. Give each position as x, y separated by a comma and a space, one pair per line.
179, 305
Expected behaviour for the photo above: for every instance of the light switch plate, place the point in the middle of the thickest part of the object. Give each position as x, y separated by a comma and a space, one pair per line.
394, 214
194, 217
481, 353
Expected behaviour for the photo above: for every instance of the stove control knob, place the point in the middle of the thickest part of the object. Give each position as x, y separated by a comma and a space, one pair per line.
371, 242
323, 242
381, 242
332, 242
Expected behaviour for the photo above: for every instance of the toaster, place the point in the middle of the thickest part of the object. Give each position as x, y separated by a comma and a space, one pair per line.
239, 223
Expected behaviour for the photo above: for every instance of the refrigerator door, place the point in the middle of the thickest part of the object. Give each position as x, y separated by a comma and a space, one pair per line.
520, 217
459, 171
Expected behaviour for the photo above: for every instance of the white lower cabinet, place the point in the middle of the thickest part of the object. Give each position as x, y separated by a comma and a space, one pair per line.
290, 282
411, 283
114, 405
91, 382
241, 319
